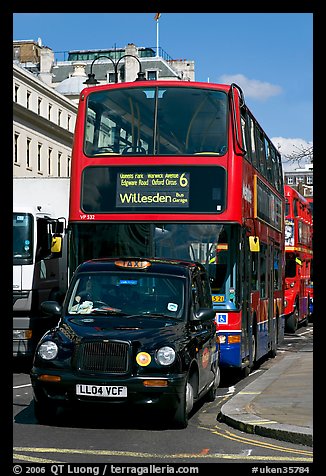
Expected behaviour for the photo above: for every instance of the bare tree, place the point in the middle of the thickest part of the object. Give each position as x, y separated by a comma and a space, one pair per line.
302, 153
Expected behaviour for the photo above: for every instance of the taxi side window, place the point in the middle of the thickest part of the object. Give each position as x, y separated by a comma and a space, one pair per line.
200, 292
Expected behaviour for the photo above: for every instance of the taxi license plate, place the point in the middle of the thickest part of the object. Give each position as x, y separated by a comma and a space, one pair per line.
101, 390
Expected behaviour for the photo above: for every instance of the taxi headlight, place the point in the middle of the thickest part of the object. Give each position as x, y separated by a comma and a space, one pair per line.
165, 355
48, 350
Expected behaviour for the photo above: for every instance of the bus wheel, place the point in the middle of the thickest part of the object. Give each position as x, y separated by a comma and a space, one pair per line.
184, 407
292, 321
273, 351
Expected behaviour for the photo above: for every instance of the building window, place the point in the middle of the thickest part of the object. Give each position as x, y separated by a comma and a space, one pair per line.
68, 166
39, 103
16, 53
39, 157
290, 181
16, 92
28, 153
59, 117
16, 148
50, 161
299, 179
68, 122
49, 112
59, 164
111, 77
151, 75
28, 99
309, 180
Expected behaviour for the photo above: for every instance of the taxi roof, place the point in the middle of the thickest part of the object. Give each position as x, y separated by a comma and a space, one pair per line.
157, 265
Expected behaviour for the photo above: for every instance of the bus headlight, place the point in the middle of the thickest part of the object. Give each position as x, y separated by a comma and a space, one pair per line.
165, 355
48, 350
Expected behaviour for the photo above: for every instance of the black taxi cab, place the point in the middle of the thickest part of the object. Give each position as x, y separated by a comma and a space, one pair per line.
131, 331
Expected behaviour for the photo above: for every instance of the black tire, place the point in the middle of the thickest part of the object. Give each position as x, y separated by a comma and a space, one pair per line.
273, 351
291, 324
180, 419
45, 412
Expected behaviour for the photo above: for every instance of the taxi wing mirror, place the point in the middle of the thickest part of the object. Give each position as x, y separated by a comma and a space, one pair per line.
204, 314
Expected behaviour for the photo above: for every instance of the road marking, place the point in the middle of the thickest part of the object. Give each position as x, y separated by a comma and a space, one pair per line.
243, 439
22, 386
93, 452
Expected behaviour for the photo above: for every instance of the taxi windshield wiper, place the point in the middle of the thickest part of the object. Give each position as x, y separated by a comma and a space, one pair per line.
158, 314
114, 312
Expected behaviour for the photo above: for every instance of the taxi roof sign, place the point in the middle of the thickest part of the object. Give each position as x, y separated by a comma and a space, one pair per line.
133, 263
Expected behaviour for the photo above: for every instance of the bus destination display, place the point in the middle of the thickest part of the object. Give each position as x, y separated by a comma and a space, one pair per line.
173, 188
153, 189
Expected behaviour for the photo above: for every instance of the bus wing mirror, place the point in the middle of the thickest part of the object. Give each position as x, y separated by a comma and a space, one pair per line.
254, 243
56, 244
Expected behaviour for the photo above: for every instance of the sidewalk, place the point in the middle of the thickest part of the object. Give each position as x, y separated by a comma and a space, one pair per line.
279, 403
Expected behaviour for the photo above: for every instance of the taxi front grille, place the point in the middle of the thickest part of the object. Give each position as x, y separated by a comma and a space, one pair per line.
103, 356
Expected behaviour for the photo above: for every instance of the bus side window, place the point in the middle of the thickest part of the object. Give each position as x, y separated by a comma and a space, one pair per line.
254, 157
261, 151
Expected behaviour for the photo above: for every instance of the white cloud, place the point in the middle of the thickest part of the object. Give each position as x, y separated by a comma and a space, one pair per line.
252, 88
291, 146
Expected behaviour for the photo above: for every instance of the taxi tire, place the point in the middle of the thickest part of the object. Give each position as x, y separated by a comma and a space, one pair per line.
211, 394
45, 412
184, 407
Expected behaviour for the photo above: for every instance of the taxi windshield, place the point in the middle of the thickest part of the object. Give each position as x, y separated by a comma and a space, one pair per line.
127, 294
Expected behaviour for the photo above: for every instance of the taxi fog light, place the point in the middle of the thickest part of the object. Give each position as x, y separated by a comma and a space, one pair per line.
155, 383
22, 334
49, 378
48, 350
222, 338
143, 359
165, 355
234, 339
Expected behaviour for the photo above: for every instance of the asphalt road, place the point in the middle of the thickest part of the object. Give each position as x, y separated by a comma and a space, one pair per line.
120, 437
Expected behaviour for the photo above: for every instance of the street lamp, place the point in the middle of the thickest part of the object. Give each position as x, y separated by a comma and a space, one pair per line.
91, 76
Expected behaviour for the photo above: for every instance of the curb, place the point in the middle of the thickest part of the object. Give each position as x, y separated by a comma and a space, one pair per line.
238, 411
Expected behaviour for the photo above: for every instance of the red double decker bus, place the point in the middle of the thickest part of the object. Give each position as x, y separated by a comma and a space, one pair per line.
299, 256
183, 170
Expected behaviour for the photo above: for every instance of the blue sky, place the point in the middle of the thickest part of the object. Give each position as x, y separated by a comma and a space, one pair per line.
270, 55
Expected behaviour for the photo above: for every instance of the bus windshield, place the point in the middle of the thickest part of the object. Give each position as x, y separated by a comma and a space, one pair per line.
156, 121
214, 245
22, 237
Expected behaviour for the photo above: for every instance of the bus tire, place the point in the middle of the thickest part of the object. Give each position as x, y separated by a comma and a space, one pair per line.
273, 351
292, 321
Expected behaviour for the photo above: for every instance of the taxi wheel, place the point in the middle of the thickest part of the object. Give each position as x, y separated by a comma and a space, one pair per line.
45, 412
184, 407
211, 394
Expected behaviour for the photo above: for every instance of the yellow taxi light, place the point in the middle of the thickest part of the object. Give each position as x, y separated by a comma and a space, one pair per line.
234, 339
143, 359
155, 383
139, 264
49, 378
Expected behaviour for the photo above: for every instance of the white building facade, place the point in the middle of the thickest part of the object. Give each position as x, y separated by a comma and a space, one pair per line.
43, 127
